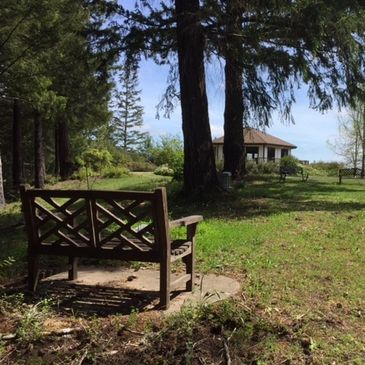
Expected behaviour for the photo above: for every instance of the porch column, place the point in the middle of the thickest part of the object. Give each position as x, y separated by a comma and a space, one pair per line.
264, 153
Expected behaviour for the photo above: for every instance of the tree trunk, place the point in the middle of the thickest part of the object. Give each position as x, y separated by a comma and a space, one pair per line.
18, 177
64, 151
199, 164
363, 143
56, 151
39, 162
2, 195
233, 148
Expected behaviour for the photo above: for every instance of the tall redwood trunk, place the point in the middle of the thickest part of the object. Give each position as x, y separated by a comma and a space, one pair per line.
233, 148
2, 195
199, 165
64, 151
17, 167
39, 161
363, 143
56, 151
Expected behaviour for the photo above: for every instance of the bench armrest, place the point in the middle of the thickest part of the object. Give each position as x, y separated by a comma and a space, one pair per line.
186, 221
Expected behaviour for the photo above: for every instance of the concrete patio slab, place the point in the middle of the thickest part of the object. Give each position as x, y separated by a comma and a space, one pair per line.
208, 288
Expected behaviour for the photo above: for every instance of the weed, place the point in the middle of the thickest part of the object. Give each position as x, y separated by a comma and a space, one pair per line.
31, 322
133, 318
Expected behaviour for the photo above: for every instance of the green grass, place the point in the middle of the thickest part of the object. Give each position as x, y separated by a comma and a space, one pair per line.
133, 181
297, 247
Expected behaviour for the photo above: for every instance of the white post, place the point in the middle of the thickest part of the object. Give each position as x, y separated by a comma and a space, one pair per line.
2, 196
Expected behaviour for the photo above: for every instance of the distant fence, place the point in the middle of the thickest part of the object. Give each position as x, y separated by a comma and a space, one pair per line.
350, 172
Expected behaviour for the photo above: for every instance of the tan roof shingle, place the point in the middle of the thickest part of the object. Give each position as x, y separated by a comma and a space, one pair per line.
253, 137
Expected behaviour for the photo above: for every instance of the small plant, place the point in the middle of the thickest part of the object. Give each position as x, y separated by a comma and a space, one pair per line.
133, 318
93, 328
4, 264
30, 325
10, 303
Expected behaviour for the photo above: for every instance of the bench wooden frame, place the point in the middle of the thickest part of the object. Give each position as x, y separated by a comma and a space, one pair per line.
124, 225
350, 171
284, 172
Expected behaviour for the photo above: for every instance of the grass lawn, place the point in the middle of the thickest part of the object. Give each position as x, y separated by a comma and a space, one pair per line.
298, 249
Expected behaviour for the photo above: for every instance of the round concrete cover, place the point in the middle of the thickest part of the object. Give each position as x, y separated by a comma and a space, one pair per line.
208, 288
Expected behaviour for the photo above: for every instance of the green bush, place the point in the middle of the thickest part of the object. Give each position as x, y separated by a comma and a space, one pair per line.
253, 168
83, 173
140, 165
114, 172
168, 151
270, 167
164, 170
289, 163
328, 168
95, 159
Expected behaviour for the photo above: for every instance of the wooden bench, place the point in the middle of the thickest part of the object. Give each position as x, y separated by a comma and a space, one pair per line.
122, 225
285, 171
351, 172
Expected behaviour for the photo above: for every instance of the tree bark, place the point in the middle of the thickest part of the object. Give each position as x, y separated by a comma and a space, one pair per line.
233, 146
56, 151
363, 142
199, 164
65, 163
39, 161
2, 195
18, 177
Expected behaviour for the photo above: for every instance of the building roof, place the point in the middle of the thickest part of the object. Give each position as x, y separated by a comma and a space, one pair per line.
255, 137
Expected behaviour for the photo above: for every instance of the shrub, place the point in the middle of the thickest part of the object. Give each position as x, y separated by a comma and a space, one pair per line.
168, 151
270, 167
253, 168
164, 170
328, 168
289, 163
83, 173
114, 172
143, 166
95, 159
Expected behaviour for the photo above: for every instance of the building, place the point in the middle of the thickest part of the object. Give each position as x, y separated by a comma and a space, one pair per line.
259, 146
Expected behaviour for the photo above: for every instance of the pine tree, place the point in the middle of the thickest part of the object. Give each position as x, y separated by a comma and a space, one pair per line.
2, 196
128, 114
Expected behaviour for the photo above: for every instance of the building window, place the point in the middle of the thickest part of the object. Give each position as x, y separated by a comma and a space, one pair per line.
252, 153
271, 154
284, 152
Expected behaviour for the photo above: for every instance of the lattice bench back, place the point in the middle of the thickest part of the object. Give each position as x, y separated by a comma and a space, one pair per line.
101, 224
351, 172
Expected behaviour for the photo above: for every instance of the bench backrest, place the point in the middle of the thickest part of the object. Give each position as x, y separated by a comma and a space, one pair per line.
136, 221
351, 171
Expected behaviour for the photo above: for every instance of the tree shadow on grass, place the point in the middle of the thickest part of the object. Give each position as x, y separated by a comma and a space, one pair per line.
272, 197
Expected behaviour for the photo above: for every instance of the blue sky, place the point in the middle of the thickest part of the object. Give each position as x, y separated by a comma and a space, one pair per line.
310, 132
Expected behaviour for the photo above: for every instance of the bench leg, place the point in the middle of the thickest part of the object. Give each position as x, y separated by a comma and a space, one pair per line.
72, 270
190, 259
33, 272
165, 284
189, 262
